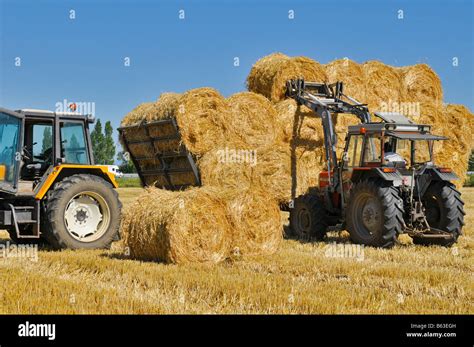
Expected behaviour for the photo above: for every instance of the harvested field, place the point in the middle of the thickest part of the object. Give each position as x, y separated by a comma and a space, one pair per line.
300, 278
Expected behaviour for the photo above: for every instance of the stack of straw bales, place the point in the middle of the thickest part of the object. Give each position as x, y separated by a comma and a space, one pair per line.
257, 149
234, 142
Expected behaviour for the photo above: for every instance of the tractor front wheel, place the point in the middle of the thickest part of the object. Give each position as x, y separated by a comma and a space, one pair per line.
82, 211
374, 214
308, 218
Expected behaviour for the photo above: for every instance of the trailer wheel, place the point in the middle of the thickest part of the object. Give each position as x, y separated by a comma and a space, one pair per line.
374, 214
82, 211
308, 218
444, 210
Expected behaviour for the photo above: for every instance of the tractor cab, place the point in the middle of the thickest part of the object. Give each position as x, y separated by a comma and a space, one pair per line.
33, 141
395, 150
50, 188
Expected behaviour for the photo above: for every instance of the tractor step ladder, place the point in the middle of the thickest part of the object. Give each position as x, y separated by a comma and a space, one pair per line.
24, 215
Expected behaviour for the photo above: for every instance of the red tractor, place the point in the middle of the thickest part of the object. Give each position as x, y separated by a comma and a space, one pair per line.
386, 182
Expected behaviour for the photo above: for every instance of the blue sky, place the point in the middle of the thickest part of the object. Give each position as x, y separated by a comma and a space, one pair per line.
83, 59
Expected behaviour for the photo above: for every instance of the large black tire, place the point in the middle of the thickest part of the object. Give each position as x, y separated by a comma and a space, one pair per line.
308, 218
55, 226
374, 213
444, 210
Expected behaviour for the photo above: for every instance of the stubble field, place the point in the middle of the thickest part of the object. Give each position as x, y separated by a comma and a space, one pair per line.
325, 277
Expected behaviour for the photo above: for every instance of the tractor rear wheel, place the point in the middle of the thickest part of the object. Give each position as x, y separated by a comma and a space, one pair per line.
374, 214
444, 210
82, 211
308, 218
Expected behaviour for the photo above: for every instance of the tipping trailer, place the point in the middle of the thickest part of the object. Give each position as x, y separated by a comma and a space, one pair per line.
161, 159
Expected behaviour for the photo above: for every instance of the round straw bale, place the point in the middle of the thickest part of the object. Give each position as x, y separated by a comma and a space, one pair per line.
253, 120
351, 74
286, 172
383, 85
460, 121
203, 116
138, 114
298, 122
265, 77
226, 168
310, 69
178, 227
430, 113
256, 221
165, 107
268, 76
454, 152
421, 84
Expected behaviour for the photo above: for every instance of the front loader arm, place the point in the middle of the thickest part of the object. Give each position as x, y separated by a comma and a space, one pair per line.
324, 99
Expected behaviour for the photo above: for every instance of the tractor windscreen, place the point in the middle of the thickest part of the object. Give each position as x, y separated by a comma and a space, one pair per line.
9, 156
413, 147
422, 153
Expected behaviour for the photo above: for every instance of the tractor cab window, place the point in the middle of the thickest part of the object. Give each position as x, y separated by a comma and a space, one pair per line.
9, 134
37, 149
372, 150
73, 143
423, 151
41, 143
354, 150
396, 152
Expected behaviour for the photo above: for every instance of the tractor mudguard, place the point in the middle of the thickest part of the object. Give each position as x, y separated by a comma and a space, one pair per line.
440, 174
56, 173
395, 177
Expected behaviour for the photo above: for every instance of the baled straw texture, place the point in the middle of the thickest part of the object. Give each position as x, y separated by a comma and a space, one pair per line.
203, 119
268, 76
253, 121
298, 122
256, 221
178, 227
421, 84
454, 153
383, 85
351, 74
227, 168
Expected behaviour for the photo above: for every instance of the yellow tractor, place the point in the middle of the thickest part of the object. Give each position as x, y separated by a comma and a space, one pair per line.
50, 189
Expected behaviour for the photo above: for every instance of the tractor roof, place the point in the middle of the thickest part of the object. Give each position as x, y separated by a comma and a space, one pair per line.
402, 131
393, 117
29, 112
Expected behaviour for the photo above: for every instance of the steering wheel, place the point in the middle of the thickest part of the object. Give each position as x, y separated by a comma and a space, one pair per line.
46, 155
